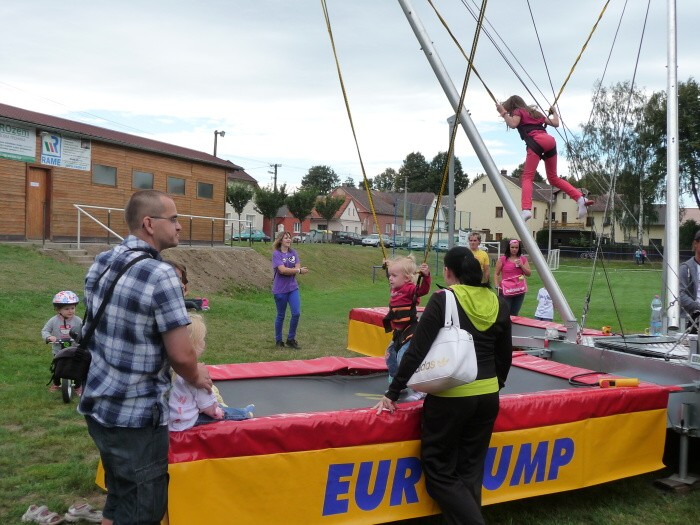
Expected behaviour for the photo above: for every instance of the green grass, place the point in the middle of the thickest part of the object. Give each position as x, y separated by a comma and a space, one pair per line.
47, 457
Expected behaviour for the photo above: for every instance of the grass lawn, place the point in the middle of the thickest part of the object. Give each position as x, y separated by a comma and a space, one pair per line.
47, 457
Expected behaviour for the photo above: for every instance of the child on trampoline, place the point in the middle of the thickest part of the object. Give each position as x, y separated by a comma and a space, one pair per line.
404, 297
63, 328
190, 406
531, 124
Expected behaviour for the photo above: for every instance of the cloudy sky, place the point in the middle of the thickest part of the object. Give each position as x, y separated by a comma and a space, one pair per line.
263, 71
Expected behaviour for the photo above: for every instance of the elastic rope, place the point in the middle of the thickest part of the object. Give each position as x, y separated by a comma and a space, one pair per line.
352, 127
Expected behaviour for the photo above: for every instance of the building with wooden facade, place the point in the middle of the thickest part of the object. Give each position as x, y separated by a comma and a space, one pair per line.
50, 165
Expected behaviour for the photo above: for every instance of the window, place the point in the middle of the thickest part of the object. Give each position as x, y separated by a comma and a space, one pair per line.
249, 220
554, 216
499, 212
104, 175
142, 180
534, 212
483, 188
589, 221
387, 228
176, 185
563, 196
563, 217
205, 190
499, 236
297, 227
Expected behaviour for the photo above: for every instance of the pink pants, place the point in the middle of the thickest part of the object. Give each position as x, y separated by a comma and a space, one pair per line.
550, 165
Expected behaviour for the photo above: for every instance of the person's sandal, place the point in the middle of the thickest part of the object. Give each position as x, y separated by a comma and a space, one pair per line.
41, 515
83, 511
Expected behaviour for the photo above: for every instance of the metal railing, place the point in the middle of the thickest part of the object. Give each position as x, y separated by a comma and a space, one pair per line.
107, 227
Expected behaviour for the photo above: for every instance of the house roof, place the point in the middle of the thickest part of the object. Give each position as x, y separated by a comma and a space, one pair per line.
57, 124
240, 175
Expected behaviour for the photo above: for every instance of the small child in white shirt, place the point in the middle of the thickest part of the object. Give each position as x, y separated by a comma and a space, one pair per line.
545, 307
191, 406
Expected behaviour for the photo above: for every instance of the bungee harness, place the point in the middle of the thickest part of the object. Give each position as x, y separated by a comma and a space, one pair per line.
525, 129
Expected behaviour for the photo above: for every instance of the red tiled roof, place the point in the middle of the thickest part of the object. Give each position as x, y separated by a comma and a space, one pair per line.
109, 136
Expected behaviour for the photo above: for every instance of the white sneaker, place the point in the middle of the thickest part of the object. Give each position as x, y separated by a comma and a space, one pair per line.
583, 204
415, 396
526, 215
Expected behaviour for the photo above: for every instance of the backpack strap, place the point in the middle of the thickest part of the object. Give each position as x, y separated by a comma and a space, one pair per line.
94, 320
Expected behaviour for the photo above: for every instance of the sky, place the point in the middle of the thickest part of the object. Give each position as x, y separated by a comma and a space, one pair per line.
263, 71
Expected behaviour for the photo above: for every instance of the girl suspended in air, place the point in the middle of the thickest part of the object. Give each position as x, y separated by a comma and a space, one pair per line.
531, 124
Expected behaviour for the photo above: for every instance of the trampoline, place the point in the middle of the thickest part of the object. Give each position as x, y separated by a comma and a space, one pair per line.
317, 453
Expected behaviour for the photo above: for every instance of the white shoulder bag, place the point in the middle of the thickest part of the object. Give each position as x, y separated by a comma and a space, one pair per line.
451, 360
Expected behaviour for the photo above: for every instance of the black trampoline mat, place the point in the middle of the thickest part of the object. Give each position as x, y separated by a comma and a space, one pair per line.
300, 394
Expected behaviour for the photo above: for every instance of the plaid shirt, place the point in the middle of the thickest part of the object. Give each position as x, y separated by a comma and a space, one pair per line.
129, 378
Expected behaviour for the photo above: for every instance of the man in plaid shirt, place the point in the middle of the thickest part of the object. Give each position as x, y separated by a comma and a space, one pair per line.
142, 333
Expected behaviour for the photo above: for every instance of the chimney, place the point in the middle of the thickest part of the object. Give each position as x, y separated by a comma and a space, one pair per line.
504, 172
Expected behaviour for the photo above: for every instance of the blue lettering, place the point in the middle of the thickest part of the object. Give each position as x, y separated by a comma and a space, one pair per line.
527, 465
493, 481
53, 161
336, 487
365, 499
562, 454
407, 475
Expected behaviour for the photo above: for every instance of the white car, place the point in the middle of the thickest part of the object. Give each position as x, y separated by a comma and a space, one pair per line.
372, 240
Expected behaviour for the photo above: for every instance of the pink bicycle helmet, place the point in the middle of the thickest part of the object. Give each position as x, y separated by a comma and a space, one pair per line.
65, 298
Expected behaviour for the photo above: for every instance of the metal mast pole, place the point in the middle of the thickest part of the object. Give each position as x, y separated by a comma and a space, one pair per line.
672, 184
492, 172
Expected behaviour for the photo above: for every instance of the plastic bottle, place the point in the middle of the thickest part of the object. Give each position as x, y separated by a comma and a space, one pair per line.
656, 306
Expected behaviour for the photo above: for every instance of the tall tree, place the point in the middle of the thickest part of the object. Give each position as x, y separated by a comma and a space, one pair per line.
268, 202
387, 180
415, 169
323, 178
608, 144
328, 206
349, 182
301, 203
238, 195
688, 136
437, 169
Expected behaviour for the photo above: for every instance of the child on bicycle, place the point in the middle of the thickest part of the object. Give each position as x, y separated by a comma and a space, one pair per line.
402, 318
191, 406
63, 328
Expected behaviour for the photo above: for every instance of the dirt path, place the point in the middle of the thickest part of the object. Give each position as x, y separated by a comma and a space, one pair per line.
210, 270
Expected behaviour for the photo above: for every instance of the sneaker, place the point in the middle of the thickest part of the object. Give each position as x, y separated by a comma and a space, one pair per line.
415, 396
279, 344
583, 204
526, 215
249, 411
83, 512
292, 343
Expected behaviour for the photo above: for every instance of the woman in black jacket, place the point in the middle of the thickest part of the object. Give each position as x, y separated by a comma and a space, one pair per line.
457, 424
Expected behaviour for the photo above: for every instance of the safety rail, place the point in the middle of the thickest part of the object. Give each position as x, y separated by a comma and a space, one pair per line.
83, 207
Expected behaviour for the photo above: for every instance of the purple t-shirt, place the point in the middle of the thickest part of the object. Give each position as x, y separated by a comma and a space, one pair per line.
284, 283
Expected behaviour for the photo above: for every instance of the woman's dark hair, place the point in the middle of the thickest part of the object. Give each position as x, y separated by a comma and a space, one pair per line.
520, 248
464, 265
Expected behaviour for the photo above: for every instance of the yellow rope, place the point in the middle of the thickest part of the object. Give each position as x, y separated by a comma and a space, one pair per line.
453, 131
585, 44
352, 126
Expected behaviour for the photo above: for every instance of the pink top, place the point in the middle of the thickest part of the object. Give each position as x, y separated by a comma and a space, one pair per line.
527, 119
509, 269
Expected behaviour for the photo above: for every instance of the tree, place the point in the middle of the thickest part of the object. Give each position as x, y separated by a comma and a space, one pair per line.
328, 206
608, 147
301, 203
323, 178
688, 136
238, 195
349, 182
387, 180
437, 169
686, 234
415, 169
518, 172
268, 202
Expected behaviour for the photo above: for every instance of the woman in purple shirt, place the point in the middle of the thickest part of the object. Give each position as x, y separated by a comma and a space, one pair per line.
285, 290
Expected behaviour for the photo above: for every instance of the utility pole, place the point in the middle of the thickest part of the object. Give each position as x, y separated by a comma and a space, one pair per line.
274, 167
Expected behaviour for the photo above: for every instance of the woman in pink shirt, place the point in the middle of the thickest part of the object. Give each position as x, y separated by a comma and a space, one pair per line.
512, 269
531, 124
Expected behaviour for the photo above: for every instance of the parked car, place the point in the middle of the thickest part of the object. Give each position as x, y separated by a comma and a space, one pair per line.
417, 243
299, 237
253, 235
318, 236
371, 240
441, 246
350, 238
400, 241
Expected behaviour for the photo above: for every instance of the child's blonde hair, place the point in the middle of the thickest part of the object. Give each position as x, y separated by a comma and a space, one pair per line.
407, 263
197, 331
